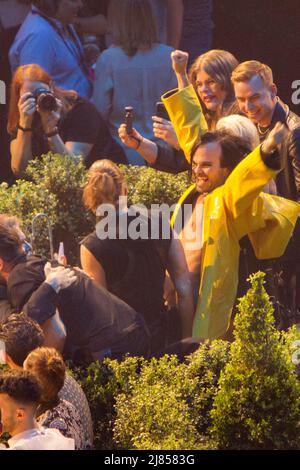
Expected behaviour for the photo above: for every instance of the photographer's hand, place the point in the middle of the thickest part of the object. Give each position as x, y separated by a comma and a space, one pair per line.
50, 119
27, 108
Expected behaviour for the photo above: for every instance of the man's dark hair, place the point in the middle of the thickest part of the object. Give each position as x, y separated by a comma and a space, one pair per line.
233, 148
48, 7
21, 335
10, 243
21, 386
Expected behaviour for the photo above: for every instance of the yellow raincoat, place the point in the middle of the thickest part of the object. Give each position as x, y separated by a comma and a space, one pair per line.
231, 211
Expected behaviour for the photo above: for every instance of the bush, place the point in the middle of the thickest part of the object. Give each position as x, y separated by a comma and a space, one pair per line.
102, 383
54, 186
155, 415
258, 404
148, 186
205, 366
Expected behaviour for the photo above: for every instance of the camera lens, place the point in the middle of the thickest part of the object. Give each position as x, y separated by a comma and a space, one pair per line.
45, 100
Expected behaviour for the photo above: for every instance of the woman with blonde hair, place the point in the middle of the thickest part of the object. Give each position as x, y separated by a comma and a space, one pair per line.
134, 269
48, 367
135, 71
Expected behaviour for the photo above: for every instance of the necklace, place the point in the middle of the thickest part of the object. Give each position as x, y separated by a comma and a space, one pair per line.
261, 131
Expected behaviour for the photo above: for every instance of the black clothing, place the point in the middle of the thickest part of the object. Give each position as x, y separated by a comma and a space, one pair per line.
288, 180
170, 160
83, 124
95, 320
135, 272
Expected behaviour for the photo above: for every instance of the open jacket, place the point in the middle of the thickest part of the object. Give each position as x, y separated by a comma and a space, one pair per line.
231, 211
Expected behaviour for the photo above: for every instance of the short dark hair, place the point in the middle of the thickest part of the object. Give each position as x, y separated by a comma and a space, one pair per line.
21, 386
48, 7
10, 243
233, 148
21, 335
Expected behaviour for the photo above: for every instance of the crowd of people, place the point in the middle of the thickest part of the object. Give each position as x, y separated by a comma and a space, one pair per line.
74, 70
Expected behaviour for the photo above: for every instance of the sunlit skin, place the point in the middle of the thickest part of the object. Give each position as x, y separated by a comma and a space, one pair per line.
207, 171
256, 100
68, 10
209, 91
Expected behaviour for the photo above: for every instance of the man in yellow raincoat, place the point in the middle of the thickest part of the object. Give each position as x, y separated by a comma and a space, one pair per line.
233, 206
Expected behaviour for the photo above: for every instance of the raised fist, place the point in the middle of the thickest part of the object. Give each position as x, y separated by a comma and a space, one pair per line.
179, 61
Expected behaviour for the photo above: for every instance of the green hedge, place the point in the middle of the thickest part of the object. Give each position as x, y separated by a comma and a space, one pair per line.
54, 186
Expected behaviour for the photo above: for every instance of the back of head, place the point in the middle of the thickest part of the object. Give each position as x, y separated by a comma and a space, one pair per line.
20, 386
240, 126
219, 64
132, 24
233, 147
10, 243
48, 367
21, 335
105, 185
48, 7
249, 69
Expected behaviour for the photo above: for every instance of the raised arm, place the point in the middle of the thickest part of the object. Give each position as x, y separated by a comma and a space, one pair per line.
184, 108
246, 181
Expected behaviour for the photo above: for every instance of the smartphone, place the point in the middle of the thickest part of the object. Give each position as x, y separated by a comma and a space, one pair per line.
161, 111
129, 119
61, 250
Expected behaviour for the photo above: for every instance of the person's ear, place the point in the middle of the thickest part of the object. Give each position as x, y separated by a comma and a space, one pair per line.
1, 264
20, 414
273, 90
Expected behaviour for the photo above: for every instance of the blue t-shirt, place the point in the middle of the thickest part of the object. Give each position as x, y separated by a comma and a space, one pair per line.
48, 44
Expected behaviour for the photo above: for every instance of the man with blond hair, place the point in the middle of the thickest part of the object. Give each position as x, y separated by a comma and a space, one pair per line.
256, 94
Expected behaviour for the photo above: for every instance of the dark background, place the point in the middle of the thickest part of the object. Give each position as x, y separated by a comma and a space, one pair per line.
266, 30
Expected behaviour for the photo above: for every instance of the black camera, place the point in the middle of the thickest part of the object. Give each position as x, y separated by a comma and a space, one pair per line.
45, 99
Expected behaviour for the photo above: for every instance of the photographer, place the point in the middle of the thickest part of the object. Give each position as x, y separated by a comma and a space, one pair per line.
43, 118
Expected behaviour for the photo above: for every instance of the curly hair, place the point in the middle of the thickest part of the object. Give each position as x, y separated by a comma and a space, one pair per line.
21, 386
21, 335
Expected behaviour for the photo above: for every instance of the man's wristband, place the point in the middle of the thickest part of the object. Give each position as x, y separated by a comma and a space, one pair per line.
24, 129
139, 141
52, 133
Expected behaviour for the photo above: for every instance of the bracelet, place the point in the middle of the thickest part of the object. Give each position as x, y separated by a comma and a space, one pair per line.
24, 129
52, 133
139, 141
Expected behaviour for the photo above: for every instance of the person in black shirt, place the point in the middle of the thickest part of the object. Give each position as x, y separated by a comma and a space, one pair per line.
134, 269
98, 324
70, 125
